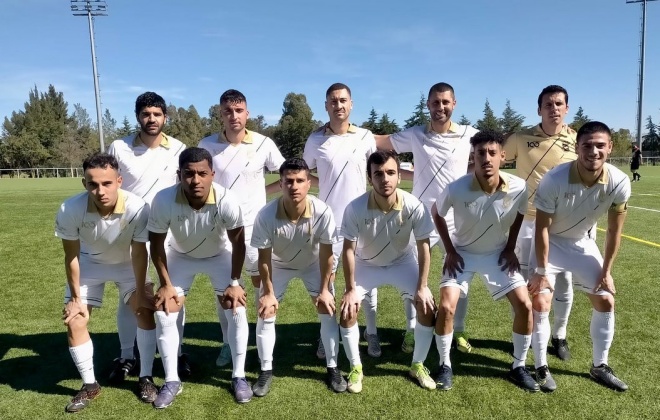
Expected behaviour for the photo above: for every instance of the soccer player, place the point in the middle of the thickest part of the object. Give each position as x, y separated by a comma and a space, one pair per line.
240, 156
338, 151
537, 150
441, 150
103, 232
569, 201
294, 235
206, 236
489, 209
377, 228
147, 162
635, 162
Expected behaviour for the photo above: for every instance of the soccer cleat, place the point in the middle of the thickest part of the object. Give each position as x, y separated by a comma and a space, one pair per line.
373, 344
408, 344
355, 377
262, 386
183, 366
461, 342
320, 350
560, 346
335, 381
224, 358
421, 374
167, 393
81, 400
242, 391
545, 380
147, 391
444, 378
121, 368
521, 377
604, 374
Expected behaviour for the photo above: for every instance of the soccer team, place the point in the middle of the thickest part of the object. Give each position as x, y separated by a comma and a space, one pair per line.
529, 236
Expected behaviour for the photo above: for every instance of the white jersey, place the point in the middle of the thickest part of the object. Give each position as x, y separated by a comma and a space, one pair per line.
575, 207
295, 245
439, 158
103, 240
146, 171
240, 168
482, 221
385, 238
196, 233
341, 163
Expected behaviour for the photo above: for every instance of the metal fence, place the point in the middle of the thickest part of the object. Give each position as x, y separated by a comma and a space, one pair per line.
41, 173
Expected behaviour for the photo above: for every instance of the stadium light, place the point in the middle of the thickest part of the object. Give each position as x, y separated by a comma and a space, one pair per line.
640, 88
91, 8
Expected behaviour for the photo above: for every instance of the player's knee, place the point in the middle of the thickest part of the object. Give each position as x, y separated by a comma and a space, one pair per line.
145, 319
347, 321
542, 302
78, 324
447, 309
603, 303
427, 319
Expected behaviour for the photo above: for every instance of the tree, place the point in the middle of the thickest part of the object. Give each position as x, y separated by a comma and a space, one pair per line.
579, 119
420, 116
651, 140
372, 123
294, 126
125, 128
464, 121
511, 121
385, 126
621, 142
489, 121
109, 126
257, 124
185, 125
214, 122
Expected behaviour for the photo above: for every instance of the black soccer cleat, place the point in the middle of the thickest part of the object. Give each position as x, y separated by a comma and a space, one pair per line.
604, 375
521, 377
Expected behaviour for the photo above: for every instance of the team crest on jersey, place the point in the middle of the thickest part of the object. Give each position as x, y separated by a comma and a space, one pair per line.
470, 204
506, 202
602, 196
565, 146
88, 225
569, 195
368, 222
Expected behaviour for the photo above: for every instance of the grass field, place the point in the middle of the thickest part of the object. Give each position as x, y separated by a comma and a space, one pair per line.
37, 376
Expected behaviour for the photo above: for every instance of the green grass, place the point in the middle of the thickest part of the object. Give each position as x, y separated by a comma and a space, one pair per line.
37, 376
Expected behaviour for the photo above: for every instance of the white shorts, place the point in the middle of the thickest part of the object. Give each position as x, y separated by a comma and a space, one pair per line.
182, 270
311, 277
524, 243
403, 275
581, 257
251, 262
337, 249
94, 276
498, 282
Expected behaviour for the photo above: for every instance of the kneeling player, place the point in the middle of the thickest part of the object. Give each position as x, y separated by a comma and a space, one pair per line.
489, 209
294, 235
377, 229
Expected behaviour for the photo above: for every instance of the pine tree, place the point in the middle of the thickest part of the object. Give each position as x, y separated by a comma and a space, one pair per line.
420, 116
489, 121
511, 121
464, 120
579, 119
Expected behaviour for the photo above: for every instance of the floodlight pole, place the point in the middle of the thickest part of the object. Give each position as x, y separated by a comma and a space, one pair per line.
93, 8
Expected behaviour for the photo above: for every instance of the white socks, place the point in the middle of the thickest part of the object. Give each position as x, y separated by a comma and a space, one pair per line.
83, 357
443, 343
168, 343
330, 338
602, 334
237, 337
520, 345
411, 314
423, 339
562, 303
266, 341
460, 314
540, 338
180, 324
351, 340
126, 329
222, 317
146, 342
370, 305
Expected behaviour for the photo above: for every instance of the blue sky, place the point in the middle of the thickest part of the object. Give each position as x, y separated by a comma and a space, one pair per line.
387, 52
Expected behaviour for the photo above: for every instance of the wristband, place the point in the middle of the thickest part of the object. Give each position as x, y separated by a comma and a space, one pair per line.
540, 270
234, 283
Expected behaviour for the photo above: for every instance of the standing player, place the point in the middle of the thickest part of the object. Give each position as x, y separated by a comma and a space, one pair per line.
339, 151
490, 206
569, 201
441, 150
635, 162
206, 236
240, 156
536, 151
103, 234
147, 162
377, 227
294, 235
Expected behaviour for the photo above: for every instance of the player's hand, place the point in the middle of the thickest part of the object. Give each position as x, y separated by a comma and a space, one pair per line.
350, 304
327, 301
265, 303
235, 295
164, 295
453, 264
72, 309
606, 284
509, 261
425, 297
538, 283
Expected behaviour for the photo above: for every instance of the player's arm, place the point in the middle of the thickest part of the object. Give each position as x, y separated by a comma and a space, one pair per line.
350, 303
235, 293
326, 261
508, 259
383, 142
424, 295
615, 218
158, 257
267, 299
453, 261
140, 261
74, 306
539, 280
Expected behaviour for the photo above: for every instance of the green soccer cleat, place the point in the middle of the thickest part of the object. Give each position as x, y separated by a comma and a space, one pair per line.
408, 344
355, 380
422, 376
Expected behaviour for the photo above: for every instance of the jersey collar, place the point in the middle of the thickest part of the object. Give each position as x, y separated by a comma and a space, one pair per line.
327, 131
398, 204
280, 213
222, 138
181, 196
503, 186
164, 141
575, 178
453, 128
565, 131
120, 206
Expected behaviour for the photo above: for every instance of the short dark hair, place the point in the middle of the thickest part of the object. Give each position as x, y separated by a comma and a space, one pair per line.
337, 86
195, 154
100, 160
593, 127
148, 99
294, 164
549, 90
442, 87
487, 136
232, 96
380, 157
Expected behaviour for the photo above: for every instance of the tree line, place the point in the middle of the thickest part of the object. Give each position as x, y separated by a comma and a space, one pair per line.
46, 134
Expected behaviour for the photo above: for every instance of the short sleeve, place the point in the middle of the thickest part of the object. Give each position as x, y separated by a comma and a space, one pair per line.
510, 148
274, 158
65, 224
309, 153
423, 225
262, 236
622, 195
371, 143
547, 195
402, 141
159, 213
326, 231
229, 211
523, 200
350, 227
444, 202
141, 233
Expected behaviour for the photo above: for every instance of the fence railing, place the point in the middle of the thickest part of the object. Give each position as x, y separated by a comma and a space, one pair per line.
41, 173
